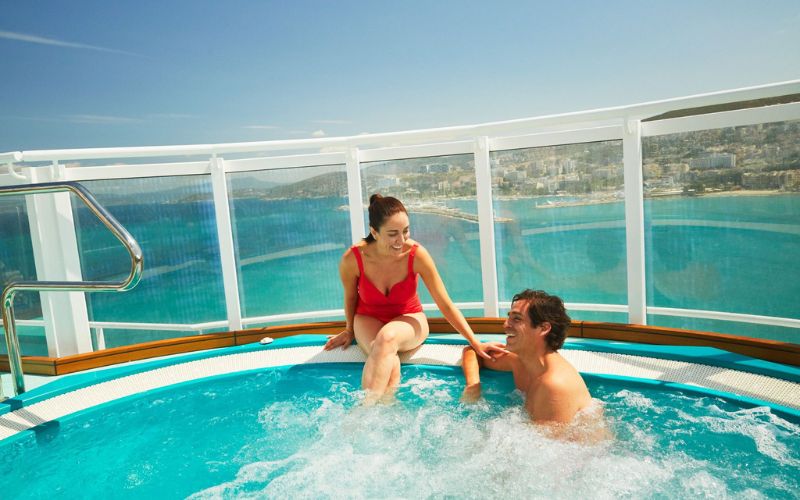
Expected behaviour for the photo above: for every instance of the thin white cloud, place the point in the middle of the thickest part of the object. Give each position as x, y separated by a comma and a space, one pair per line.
23, 37
101, 119
261, 127
332, 122
177, 116
318, 133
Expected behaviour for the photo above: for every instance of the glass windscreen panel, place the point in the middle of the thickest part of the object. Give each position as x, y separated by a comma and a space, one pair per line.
290, 227
172, 219
439, 194
17, 264
722, 222
560, 222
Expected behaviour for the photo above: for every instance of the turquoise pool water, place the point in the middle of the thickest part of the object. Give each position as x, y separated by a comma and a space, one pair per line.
300, 432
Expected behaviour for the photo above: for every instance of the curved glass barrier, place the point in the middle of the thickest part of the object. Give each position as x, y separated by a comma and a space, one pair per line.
722, 223
173, 220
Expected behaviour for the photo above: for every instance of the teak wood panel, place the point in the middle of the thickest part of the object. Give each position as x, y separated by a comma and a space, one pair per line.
780, 352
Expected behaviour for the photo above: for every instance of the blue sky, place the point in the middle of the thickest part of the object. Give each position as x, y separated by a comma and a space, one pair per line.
107, 73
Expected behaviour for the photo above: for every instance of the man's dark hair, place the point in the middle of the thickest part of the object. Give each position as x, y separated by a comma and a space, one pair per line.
545, 307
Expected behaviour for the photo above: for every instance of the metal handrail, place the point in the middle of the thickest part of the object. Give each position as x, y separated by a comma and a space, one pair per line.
7, 297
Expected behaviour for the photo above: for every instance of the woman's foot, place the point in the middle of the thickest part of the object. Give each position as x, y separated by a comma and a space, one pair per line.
371, 398
471, 394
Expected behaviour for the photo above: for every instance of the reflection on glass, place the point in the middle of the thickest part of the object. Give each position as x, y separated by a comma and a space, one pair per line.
722, 221
439, 194
173, 221
17, 264
16, 254
290, 229
560, 221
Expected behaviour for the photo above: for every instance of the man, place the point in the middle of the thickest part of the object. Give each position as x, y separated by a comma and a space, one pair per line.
535, 330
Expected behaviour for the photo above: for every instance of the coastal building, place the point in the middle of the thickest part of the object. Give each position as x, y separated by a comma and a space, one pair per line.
437, 168
781, 180
714, 161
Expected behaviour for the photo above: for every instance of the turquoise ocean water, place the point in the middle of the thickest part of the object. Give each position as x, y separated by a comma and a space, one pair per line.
726, 253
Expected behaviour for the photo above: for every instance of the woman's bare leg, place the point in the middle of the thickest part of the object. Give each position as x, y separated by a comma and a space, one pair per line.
394, 382
382, 369
394, 378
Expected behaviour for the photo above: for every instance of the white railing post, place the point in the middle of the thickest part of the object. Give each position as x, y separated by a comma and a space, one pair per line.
634, 220
227, 255
100, 337
483, 188
354, 196
55, 253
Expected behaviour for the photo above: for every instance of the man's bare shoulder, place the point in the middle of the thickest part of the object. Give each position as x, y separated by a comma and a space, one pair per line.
557, 396
556, 385
563, 380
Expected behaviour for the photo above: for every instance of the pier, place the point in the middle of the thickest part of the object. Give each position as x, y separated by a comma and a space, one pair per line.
453, 213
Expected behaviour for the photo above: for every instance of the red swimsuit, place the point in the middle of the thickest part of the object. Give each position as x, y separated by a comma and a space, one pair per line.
402, 298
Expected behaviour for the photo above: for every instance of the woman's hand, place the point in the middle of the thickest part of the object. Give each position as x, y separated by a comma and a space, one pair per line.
342, 339
490, 350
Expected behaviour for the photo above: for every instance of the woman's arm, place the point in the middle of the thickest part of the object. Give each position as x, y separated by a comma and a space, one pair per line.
424, 265
349, 275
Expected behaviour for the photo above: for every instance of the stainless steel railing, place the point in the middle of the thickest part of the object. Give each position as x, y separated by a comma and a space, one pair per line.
7, 297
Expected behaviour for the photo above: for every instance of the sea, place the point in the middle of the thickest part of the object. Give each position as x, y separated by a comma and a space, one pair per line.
736, 253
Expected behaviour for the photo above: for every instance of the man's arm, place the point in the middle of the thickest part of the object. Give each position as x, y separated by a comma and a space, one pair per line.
471, 365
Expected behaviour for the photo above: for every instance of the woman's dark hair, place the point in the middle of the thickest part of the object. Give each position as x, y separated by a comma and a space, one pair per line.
545, 307
380, 209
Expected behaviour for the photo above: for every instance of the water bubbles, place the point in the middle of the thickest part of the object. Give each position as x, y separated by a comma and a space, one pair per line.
427, 444
303, 432
637, 400
757, 424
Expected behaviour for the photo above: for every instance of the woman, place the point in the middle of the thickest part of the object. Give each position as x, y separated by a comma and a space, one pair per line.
382, 308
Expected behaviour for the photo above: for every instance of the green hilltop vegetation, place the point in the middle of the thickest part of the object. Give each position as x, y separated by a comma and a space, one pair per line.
320, 186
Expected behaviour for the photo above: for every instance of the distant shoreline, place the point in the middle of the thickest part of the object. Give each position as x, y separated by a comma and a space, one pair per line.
579, 200
552, 201
748, 192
